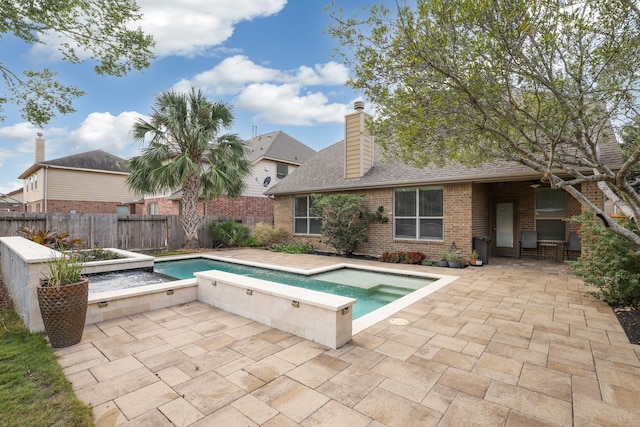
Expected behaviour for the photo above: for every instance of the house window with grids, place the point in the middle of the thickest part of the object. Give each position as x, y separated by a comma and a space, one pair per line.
304, 221
282, 170
419, 213
551, 210
152, 208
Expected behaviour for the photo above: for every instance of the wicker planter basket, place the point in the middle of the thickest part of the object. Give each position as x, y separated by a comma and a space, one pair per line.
64, 312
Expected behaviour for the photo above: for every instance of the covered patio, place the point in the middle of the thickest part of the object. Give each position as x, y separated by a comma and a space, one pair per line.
516, 342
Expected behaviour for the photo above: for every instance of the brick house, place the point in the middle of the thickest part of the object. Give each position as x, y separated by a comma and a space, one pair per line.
91, 182
272, 155
430, 209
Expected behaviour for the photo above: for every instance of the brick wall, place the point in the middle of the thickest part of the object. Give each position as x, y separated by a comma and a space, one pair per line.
467, 210
65, 206
457, 223
240, 206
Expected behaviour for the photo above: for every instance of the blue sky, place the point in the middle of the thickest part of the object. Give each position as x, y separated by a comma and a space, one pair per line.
269, 59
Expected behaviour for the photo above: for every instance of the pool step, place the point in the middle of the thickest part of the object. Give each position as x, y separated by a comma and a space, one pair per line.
388, 293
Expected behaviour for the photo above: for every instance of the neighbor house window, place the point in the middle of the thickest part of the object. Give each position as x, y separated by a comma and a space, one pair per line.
304, 221
122, 210
282, 170
418, 213
152, 209
551, 210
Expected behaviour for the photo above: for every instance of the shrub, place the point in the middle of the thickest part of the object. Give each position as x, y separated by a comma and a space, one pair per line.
345, 220
394, 257
228, 234
49, 238
414, 257
269, 236
293, 248
252, 242
609, 262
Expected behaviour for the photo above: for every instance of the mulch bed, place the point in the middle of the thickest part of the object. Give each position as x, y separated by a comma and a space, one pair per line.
629, 318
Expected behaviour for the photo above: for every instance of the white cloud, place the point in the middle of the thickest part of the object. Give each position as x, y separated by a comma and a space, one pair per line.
284, 105
275, 96
106, 132
184, 28
8, 187
230, 76
233, 74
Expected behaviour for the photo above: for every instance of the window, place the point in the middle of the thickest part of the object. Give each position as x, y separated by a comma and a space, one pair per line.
282, 170
122, 210
304, 222
551, 209
152, 209
418, 214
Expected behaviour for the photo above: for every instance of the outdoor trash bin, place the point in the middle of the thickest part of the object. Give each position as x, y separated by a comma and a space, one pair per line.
483, 246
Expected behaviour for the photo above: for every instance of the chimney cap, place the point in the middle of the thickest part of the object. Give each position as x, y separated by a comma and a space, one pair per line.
358, 105
39, 134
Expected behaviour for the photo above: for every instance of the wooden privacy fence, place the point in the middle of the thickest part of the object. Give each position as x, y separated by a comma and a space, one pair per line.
142, 233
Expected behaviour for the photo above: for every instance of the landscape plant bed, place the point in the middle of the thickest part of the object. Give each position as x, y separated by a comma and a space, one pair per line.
95, 254
629, 318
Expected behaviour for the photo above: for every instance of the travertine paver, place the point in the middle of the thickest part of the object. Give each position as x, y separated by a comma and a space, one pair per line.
514, 343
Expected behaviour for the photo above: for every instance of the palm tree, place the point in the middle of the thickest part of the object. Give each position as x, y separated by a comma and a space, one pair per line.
185, 151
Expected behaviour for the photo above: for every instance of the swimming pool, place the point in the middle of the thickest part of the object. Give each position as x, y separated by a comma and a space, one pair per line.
372, 289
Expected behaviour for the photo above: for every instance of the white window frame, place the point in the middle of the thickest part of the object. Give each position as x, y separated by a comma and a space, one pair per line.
152, 208
559, 216
417, 218
308, 217
279, 175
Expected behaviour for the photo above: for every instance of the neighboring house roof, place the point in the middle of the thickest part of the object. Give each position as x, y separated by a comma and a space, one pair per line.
278, 146
325, 172
96, 160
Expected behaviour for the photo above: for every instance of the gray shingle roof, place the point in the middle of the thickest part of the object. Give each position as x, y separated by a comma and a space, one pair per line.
325, 172
278, 146
97, 160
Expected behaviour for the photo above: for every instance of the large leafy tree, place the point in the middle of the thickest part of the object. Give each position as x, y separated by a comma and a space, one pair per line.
184, 149
99, 30
538, 82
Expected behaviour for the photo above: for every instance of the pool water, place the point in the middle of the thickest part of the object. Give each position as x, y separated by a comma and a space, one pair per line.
372, 289
116, 280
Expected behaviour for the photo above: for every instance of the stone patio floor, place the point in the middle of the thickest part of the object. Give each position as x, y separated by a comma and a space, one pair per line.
513, 343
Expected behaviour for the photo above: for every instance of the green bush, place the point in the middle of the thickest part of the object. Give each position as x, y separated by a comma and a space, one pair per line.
345, 220
228, 234
292, 248
269, 236
608, 262
252, 242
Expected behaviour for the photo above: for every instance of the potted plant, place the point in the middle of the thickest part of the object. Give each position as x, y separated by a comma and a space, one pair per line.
473, 258
63, 296
443, 262
452, 260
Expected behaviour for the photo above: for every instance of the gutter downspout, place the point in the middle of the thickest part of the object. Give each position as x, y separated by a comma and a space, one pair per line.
46, 187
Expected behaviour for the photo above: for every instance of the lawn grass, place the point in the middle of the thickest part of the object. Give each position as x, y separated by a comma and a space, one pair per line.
33, 388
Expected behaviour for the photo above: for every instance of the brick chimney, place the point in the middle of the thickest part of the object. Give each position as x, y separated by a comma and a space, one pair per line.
39, 157
358, 143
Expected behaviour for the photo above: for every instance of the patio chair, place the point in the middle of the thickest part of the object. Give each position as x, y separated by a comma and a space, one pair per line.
529, 240
573, 245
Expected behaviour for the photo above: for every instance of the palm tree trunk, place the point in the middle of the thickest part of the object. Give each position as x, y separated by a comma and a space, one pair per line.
190, 217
